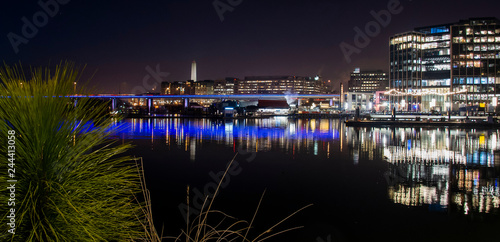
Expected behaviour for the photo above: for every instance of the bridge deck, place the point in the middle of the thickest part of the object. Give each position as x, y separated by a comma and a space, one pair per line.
234, 96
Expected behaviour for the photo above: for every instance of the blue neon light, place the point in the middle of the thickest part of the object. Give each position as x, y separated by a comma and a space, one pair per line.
438, 30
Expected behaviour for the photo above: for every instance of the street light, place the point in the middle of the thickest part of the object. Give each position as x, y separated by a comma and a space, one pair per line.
74, 87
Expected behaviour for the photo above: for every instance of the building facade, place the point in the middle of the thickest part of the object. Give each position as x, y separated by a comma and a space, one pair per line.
225, 86
249, 85
368, 81
362, 100
278, 85
446, 67
183, 88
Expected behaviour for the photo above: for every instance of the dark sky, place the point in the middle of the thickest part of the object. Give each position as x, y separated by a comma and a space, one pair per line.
118, 40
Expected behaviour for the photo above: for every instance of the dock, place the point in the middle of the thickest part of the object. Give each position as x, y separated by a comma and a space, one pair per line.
408, 120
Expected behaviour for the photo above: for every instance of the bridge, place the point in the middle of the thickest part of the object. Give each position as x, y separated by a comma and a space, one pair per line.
187, 98
212, 96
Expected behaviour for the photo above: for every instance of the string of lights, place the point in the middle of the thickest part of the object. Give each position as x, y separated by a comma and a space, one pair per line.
394, 92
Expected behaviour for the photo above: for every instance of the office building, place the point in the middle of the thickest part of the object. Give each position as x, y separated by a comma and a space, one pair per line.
205, 87
225, 86
446, 67
278, 85
368, 81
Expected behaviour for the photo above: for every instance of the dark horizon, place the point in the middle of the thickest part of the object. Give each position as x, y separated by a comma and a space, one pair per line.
125, 42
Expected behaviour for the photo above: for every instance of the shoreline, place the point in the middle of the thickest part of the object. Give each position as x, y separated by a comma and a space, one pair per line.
349, 123
369, 123
329, 116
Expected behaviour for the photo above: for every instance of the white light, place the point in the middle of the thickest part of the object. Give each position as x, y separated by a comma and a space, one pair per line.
433, 102
394, 92
494, 101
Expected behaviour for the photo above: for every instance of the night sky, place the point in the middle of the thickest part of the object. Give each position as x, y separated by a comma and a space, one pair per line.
118, 40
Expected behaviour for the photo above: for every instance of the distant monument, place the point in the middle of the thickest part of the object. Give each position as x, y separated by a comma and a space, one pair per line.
193, 71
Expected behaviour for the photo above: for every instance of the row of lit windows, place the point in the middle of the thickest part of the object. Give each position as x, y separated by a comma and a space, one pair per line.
406, 38
478, 56
408, 68
476, 80
467, 64
414, 61
484, 39
270, 81
482, 47
372, 81
437, 67
434, 45
418, 38
470, 31
282, 88
446, 45
436, 38
369, 78
271, 86
439, 60
409, 46
371, 74
363, 88
434, 83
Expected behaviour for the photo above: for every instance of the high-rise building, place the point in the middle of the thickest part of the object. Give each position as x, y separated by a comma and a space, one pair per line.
368, 81
193, 71
446, 67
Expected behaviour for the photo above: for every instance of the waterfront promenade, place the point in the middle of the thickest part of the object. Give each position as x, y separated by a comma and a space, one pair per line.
409, 120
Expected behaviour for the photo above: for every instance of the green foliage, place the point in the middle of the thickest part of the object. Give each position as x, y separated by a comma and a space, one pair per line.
72, 182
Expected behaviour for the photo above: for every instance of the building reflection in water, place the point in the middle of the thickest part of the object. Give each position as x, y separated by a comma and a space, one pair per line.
442, 169
452, 170
279, 133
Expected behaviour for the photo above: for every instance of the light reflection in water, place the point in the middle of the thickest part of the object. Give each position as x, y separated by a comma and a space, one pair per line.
441, 169
252, 135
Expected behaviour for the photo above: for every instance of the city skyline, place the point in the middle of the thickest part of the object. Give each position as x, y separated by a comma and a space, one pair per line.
124, 43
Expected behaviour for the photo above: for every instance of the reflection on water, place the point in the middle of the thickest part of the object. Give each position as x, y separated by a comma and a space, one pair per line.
442, 169
453, 170
280, 133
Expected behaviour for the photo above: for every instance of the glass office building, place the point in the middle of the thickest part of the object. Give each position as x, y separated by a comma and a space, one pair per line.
405, 76
446, 67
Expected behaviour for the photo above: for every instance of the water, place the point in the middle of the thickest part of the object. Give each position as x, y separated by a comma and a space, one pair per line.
390, 184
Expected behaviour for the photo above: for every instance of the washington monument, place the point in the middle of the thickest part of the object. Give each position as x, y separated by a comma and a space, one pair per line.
193, 71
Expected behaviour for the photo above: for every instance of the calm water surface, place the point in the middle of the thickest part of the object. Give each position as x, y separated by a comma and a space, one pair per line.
389, 184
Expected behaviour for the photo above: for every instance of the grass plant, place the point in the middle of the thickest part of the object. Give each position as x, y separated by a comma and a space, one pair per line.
222, 227
73, 184
73, 181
